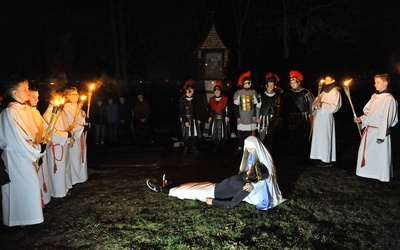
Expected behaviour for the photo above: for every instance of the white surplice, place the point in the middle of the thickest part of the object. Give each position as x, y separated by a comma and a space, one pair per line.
57, 156
21, 199
77, 159
380, 114
43, 172
323, 144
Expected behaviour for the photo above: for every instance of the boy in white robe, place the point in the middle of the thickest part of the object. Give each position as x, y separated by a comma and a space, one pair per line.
43, 173
76, 155
380, 114
21, 199
61, 181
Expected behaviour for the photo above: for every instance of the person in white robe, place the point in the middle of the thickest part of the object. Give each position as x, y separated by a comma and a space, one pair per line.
21, 199
380, 114
76, 155
266, 193
323, 143
43, 172
60, 178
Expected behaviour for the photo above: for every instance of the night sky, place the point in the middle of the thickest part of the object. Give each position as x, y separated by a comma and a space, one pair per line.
44, 37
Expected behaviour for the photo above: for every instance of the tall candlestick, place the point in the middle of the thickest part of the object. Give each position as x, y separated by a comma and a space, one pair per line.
347, 91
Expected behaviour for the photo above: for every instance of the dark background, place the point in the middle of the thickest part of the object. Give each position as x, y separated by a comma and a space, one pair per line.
156, 41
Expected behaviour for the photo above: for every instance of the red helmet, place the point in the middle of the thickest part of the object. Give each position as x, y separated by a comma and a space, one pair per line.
243, 78
297, 75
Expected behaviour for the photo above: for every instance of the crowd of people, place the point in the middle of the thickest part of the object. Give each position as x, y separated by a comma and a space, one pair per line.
45, 154
304, 122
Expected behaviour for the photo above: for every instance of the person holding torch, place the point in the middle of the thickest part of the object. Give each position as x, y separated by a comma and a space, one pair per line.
56, 156
380, 114
323, 143
76, 154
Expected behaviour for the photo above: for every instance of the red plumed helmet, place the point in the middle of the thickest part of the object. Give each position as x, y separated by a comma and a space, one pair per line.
271, 77
218, 85
296, 74
188, 83
243, 77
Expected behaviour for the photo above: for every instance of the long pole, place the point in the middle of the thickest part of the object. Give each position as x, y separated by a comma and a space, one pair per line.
347, 91
314, 111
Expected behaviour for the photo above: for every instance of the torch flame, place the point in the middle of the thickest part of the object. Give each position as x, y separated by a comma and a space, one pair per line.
347, 82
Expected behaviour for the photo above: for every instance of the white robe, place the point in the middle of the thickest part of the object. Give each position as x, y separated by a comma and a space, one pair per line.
60, 179
77, 158
380, 114
270, 185
194, 191
21, 199
323, 144
43, 172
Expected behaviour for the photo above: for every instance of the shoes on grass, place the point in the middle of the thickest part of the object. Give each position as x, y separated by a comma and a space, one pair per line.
154, 186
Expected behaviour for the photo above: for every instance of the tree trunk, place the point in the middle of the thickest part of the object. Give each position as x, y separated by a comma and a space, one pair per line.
285, 30
123, 53
116, 48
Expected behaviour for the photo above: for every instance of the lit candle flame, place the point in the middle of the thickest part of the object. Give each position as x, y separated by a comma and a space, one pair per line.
321, 81
83, 98
91, 86
57, 102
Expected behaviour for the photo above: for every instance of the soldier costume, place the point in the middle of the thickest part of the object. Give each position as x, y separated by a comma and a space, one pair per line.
245, 108
218, 117
298, 107
270, 109
189, 119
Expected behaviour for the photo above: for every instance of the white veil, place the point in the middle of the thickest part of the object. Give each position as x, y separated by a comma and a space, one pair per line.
266, 189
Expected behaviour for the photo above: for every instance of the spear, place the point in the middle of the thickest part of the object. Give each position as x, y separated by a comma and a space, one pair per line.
347, 91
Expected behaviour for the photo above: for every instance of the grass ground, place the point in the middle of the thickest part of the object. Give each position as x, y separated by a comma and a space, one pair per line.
326, 208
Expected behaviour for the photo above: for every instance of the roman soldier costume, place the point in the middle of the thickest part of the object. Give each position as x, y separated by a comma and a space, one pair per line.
270, 107
245, 108
298, 104
218, 113
189, 118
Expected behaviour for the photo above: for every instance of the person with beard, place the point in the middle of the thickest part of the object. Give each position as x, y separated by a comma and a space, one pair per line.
270, 110
297, 106
380, 114
189, 119
245, 108
323, 143
218, 118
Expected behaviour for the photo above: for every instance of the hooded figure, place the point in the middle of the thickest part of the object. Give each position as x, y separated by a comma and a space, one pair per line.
266, 194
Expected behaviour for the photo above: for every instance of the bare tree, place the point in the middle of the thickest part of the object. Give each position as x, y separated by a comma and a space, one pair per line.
240, 12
